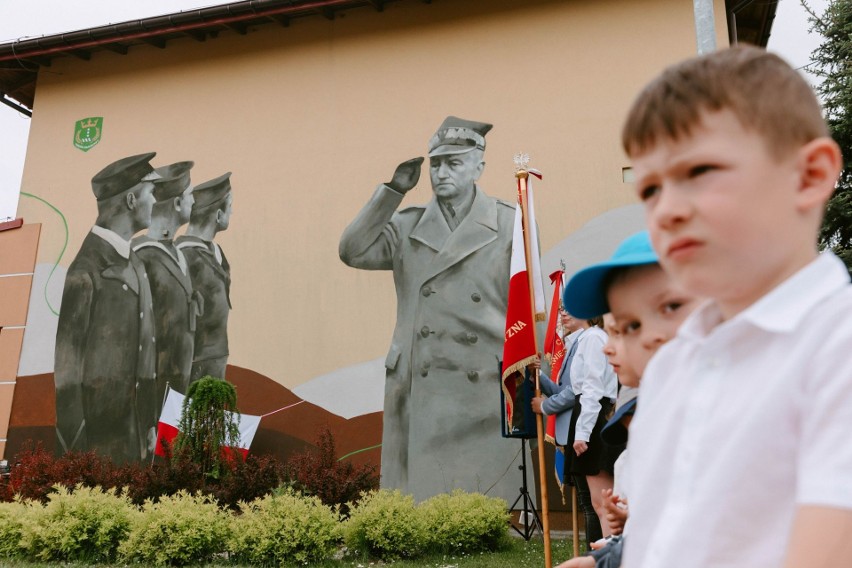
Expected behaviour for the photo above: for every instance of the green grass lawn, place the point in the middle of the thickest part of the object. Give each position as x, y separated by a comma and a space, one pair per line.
518, 554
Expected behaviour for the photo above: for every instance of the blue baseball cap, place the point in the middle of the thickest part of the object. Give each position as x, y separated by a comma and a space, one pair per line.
584, 296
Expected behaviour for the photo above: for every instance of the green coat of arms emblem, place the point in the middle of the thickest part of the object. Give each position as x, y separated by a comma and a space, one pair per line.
87, 132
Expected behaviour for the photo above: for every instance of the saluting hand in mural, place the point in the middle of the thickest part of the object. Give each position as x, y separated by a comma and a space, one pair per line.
406, 176
450, 261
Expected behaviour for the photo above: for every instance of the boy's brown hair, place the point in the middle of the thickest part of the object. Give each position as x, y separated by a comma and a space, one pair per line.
763, 91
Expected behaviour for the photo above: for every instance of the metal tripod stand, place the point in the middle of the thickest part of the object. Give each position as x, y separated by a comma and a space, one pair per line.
528, 505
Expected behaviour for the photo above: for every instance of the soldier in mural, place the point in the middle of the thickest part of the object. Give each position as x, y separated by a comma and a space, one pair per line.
210, 274
105, 344
450, 261
176, 305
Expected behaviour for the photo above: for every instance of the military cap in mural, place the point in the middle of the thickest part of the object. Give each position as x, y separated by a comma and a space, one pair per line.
212, 192
123, 174
174, 179
457, 136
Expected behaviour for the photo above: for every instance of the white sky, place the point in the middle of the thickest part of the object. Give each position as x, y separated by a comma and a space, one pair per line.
26, 18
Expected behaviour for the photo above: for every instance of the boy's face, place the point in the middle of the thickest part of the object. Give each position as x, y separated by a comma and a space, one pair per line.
648, 308
614, 351
569, 323
725, 215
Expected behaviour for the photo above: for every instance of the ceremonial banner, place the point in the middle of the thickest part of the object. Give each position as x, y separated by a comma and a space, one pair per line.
519, 349
168, 426
554, 347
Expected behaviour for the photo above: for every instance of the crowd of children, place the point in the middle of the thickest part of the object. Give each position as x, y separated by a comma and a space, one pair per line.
737, 454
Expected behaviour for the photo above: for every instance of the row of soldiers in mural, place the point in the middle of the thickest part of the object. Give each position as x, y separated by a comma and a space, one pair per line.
141, 314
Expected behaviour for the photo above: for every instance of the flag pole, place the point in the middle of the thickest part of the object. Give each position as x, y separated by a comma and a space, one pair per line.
523, 176
574, 521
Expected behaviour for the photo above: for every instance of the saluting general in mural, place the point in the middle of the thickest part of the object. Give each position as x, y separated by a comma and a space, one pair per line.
105, 343
450, 261
210, 274
176, 305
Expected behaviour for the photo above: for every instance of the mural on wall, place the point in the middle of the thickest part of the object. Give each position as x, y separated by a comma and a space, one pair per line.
348, 400
140, 316
450, 262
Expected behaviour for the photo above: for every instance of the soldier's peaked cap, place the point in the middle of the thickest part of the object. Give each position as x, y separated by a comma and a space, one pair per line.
174, 180
212, 192
123, 174
457, 136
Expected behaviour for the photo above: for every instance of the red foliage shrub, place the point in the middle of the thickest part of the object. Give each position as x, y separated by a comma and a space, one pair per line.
35, 472
247, 480
166, 477
322, 474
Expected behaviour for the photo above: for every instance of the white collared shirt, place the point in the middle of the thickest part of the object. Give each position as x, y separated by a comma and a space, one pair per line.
120, 245
593, 378
741, 422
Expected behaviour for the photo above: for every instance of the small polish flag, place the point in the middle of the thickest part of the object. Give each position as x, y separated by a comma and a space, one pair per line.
167, 427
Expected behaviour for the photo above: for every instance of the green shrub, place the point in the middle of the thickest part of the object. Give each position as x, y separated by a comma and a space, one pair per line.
179, 529
86, 525
462, 523
13, 517
386, 525
284, 528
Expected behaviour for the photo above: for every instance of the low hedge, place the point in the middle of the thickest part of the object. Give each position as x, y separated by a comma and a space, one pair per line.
86, 525
284, 528
92, 525
178, 530
388, 525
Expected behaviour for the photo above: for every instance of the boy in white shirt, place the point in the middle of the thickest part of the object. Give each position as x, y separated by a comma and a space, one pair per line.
645, 307
744, 422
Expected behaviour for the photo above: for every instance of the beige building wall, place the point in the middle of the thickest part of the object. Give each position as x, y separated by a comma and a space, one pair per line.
309, 118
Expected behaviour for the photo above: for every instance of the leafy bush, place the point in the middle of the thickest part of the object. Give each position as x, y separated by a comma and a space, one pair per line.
320, 473
386, 525
461, 523
13, 516
239, 479
36, 472
246, 480
178, 530
84, 526
284, 528
163, 478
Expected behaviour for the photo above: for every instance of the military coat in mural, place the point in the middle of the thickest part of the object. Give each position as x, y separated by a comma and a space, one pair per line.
105, 351
176, 308
211, 278
442, 393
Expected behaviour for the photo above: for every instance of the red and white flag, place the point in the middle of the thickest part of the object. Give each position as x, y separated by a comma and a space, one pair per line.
554, 347
167, 427
525, 288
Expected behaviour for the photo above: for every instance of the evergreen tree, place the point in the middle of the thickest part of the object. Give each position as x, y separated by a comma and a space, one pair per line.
832, 63
209, 422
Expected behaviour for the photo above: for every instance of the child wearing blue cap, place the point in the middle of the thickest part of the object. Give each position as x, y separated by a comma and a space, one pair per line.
644, 308
744, 419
